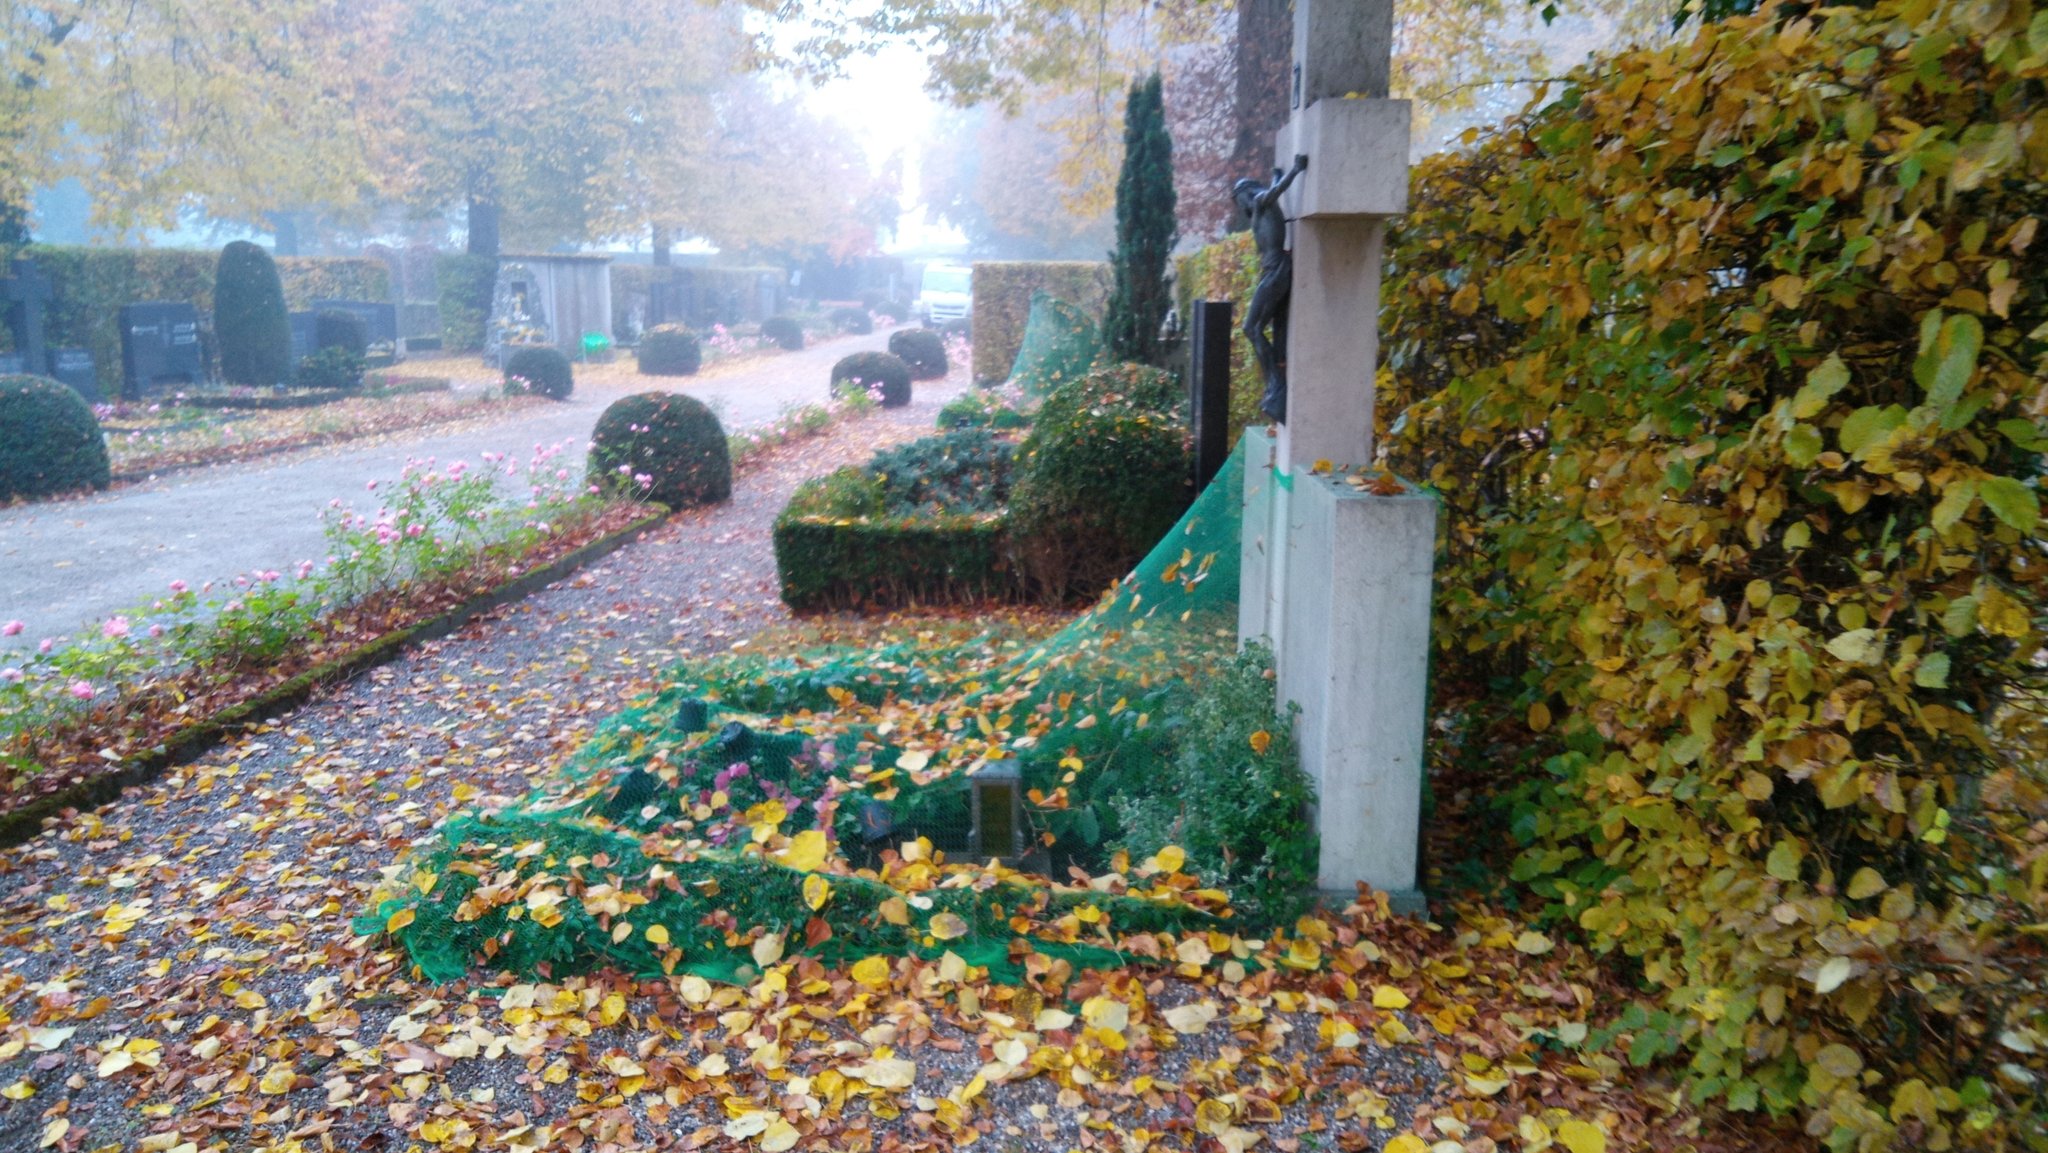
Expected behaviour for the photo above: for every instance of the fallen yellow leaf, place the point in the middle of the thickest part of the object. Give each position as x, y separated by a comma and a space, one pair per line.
1582, 1136
1388, 997
949, 926
806, 851
817, 890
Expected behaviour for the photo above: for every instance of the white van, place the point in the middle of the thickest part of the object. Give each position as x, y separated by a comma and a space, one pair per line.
945, 294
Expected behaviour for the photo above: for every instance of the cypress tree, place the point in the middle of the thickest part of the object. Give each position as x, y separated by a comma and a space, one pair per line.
249, 318
1145, 231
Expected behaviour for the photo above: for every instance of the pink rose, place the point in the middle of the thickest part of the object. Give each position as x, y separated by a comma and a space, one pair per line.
115, 627
12, 629
83, 690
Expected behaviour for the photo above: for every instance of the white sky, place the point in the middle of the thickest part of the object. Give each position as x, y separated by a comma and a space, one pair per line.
881, 100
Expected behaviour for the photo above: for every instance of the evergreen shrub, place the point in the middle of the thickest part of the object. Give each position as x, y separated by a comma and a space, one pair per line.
863, 369
922, 523
466, 283
923, 350
543, 371
670, 350
249, 318
50, 441
332, 367
1145, 232
1103, 475
785, 331
672, 439
1737, 422
854, 320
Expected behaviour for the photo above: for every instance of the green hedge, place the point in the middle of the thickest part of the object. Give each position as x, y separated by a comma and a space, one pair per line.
89, 286
831, 562
1002, 304
466, 283
922, 523
1227, 270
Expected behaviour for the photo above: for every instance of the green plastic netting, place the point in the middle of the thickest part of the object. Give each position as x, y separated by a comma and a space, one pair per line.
1061, 343
909, 798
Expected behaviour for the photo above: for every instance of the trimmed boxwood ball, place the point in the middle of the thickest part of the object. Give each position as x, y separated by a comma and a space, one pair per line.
868, 368
923, 350
785, 332
545, 370
50, 442
334, 328
670, 350
1098, 482
854, 320
249, 318
1130, 385
672, 439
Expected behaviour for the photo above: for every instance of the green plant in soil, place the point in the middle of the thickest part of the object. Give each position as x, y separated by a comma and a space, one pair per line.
882, 374
923, 350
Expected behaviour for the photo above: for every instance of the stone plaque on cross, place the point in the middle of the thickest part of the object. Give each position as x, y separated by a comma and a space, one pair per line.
1336, 575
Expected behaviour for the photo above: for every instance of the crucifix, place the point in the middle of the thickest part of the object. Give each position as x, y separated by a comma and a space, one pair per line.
1336, 575
24, 294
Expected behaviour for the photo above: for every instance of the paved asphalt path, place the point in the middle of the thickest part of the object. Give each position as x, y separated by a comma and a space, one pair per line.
65, 564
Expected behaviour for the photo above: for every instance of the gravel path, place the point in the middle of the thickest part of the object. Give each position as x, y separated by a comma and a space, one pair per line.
66, 564
179, 963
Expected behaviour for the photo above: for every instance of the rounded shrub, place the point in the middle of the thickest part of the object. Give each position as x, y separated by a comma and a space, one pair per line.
249, 318
332, 367
1100, 479
542, 371
1136, 386
672, 440
854, 320
334, 328
670, 350
865, 369
50, 442
785, 332
923, 350
896, 310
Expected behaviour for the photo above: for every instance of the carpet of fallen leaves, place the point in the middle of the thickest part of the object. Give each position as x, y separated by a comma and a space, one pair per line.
176, 972
142, 443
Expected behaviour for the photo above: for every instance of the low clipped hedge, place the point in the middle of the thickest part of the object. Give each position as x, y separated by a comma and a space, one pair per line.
863, 369
671, 439
854, 320
785, 331
920, 524
670, 350
540, 371
923, 350
50, 441
1102, 477
981, 409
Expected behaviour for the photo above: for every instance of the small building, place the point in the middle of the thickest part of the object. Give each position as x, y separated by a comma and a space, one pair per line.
552, 298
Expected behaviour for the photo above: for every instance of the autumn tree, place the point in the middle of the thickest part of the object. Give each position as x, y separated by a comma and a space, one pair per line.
996, 178
231, 107
1145, 232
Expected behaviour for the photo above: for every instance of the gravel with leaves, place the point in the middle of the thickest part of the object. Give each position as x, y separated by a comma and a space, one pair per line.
177, 972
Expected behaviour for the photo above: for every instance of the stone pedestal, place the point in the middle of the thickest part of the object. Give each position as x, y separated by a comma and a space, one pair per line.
1340, 580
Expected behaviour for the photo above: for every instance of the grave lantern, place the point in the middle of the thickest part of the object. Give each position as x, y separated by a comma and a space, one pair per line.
998, 804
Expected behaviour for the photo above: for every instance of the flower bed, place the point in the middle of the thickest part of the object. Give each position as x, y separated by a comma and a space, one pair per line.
123, 690
151, 439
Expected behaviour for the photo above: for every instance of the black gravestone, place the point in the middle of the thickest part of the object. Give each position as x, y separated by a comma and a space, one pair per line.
305, 335
380, 320
159, 345
74, 366
23, 295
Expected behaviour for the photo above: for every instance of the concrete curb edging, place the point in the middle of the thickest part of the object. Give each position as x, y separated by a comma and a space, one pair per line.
194, 740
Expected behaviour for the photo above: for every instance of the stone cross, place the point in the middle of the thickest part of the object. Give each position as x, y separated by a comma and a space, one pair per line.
1336, 575
24, 295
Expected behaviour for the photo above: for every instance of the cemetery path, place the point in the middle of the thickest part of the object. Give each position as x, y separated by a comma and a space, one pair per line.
66, 564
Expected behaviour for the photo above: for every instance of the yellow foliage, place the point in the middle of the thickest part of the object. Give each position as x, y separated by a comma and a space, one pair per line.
1728, 369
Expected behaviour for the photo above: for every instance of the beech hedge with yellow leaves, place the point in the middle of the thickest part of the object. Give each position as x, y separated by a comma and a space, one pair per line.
1728, 364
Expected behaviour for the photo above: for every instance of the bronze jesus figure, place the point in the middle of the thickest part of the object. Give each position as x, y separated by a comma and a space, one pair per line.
1268, 308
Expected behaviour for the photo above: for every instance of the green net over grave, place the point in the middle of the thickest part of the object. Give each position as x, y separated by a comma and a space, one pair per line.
1061, 343
904, 799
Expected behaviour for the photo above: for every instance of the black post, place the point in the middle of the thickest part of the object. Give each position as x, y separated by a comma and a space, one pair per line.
1209, 386
24, 297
